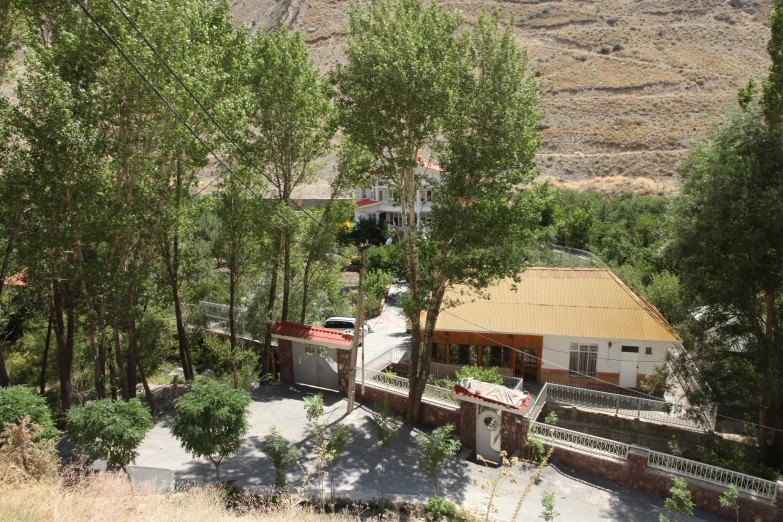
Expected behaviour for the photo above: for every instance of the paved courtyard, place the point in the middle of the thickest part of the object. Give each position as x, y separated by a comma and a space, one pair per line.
579, 496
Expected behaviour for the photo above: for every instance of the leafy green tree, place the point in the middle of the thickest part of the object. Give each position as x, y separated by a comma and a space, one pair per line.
211, 421
19, 402
387, 428
110, 430
435, 448
292, 127
679, 503
419, 84
283, 456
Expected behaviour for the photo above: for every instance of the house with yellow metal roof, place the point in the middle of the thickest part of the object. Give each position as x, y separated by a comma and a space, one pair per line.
577, 325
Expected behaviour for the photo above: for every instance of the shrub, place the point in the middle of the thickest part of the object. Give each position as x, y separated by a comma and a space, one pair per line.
211, 421
386, 258
605, 50
110, 430
435, 449
618, 47
19, 402
387, 427
283, 456
679, 503
438, 508
489, 375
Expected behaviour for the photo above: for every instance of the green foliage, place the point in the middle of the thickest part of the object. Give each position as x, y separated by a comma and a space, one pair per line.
548, 512
211, 421
283, 456
386, 258
376, 284
438, 508
535, 449
435, 448
110, 430
551, 418
665, 293
18, 402
489, 375
729, 498
679, 503
387, 428
314, 406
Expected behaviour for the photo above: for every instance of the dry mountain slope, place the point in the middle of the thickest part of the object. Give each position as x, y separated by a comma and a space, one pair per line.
627, 83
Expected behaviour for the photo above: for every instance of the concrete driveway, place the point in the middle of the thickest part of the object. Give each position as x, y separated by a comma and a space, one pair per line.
388, 329
579, 497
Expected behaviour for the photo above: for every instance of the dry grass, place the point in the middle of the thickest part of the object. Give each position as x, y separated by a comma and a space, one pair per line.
109, 498
613, 186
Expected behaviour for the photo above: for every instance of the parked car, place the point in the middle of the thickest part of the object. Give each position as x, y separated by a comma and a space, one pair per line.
344, 323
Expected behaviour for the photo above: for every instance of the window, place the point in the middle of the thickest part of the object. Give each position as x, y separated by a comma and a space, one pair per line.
429, 195
473, 355
380, 195
464, 354
630, 349
486, 356
648, 350
505, 357
441, 353
454, 354
584, 358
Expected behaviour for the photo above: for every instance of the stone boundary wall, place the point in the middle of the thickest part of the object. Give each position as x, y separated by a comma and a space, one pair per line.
635, 474
285, 354
431, 414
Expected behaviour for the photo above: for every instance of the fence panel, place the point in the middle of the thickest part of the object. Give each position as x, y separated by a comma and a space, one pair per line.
580, 441
713, 474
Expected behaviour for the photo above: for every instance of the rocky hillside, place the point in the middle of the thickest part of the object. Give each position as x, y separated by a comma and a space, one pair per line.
627, 83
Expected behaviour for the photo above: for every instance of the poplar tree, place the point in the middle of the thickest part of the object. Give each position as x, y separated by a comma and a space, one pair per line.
419, 84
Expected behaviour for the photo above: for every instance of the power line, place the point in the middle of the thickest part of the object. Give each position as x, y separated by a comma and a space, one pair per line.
209, 115
591, 376
182, 120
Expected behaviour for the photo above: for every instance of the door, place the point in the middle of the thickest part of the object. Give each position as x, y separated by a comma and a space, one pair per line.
530, 373
488, 434
315, 366
629, 359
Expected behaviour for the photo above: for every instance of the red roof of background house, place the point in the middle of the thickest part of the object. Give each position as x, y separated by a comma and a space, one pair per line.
365, 202
313, 334
17, 279
459, 390
431, 166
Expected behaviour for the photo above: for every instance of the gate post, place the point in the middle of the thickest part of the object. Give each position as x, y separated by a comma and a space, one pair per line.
285, 353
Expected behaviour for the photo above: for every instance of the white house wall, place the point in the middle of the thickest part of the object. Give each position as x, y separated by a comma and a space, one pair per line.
557, 350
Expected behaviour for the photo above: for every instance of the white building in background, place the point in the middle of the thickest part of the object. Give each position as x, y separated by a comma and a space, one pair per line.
382, 202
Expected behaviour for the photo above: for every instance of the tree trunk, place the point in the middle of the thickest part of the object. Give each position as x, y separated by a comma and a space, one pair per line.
64, 340
147, 390
45, 362
234, 372
286, 273
305, 290
9, 249
270, 309
100, 366
120, 359
418, 380
133, 357
172, 268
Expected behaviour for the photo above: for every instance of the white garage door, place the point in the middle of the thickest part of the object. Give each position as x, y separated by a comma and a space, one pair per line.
315, 366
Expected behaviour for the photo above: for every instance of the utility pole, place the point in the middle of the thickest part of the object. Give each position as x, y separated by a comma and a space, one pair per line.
357, 328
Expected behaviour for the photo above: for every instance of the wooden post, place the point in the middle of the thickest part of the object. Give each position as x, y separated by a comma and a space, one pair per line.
175, 386
356, 330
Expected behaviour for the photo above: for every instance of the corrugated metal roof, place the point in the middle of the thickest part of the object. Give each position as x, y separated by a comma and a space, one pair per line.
578, 302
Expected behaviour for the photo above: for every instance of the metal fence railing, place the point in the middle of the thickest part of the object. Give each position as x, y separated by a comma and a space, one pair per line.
401, 385
616, 391
214, 317
648, 409
579, 441
713, 474
399, 360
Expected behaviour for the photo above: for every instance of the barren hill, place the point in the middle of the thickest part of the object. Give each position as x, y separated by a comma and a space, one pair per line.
627, 83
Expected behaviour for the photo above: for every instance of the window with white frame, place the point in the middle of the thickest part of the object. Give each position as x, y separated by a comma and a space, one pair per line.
584, 359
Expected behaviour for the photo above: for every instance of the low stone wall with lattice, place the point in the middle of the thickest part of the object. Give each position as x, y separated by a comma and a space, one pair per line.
635, 473
431, 414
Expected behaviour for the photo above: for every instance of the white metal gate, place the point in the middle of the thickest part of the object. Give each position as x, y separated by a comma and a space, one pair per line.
488, 434
315, 366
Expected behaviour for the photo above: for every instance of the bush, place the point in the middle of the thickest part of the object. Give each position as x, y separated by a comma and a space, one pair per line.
386, 258
283, 456
489, 375
438, 508
618, 47
375, 288
110, 430
605, 50
18, 402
